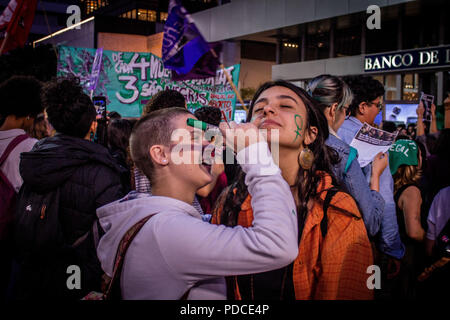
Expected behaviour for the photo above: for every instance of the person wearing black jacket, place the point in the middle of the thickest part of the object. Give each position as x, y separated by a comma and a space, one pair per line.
87, 178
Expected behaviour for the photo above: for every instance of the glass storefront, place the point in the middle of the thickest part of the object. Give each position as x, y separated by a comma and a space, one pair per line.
410, 87
409, 90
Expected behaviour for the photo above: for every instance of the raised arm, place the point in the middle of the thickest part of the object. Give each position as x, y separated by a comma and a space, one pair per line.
410, 202
201, 250
447, 112
420, 130
379, 163
433, 126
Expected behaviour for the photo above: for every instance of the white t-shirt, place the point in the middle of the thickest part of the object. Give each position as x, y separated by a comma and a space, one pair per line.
439, 213
11, 166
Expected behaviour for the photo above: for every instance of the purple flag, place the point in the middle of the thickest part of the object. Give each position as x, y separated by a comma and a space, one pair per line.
184, 50
96, 68
205, 67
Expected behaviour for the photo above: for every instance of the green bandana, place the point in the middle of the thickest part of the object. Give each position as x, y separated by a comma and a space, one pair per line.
402, 152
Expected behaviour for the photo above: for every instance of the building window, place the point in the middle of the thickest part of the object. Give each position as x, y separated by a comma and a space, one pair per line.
390, 86
146, 15
384, 39
163, 16
258, 50
92, 5
411, 87
411, 33
347, 36
291, 50
129, 15
347, 42
318, 40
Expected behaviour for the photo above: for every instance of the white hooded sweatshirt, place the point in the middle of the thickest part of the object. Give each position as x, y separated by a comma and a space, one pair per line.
176, 251
10, 167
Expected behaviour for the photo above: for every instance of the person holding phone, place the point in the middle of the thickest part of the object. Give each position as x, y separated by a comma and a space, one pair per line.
101, 136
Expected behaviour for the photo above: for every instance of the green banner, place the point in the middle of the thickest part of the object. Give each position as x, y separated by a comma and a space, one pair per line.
129, 79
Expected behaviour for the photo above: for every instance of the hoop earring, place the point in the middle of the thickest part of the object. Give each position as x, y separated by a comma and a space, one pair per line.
306, 158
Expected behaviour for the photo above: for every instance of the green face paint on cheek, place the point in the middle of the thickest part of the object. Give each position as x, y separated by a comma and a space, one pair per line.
299, 124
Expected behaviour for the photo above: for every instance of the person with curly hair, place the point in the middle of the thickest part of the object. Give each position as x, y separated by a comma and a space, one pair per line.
85, 176
334, 249
365, 106
41, 128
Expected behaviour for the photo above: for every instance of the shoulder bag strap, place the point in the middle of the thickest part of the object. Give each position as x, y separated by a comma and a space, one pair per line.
11, 147
326, 204
121, 251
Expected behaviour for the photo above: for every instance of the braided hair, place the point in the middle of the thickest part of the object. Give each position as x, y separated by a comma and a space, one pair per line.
307, 180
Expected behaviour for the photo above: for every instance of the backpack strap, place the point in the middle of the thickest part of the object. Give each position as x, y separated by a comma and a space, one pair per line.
351, 156
326, 203
121, 251
11, 147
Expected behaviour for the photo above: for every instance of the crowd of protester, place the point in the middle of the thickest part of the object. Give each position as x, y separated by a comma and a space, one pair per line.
136, 224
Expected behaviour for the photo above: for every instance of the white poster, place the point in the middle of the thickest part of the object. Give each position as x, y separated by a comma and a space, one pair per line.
369, 141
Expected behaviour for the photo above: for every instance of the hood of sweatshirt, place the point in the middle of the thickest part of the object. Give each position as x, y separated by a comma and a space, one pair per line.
117, 217
53, 160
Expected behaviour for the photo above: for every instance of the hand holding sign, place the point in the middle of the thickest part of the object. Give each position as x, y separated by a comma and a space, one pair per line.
427, 101
379, 163
420, 110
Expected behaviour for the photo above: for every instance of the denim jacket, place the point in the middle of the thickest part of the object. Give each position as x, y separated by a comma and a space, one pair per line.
389, 237
370, 202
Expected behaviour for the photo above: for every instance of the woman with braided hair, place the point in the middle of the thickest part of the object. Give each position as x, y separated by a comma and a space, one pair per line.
334, 249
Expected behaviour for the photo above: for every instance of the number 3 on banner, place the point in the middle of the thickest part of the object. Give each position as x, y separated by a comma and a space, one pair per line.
129, 86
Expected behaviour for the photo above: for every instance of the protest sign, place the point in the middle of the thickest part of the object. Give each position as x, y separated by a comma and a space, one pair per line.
427, 100
129, 79
369, 141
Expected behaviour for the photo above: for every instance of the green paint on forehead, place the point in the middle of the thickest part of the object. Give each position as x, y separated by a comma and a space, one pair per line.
299, 123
